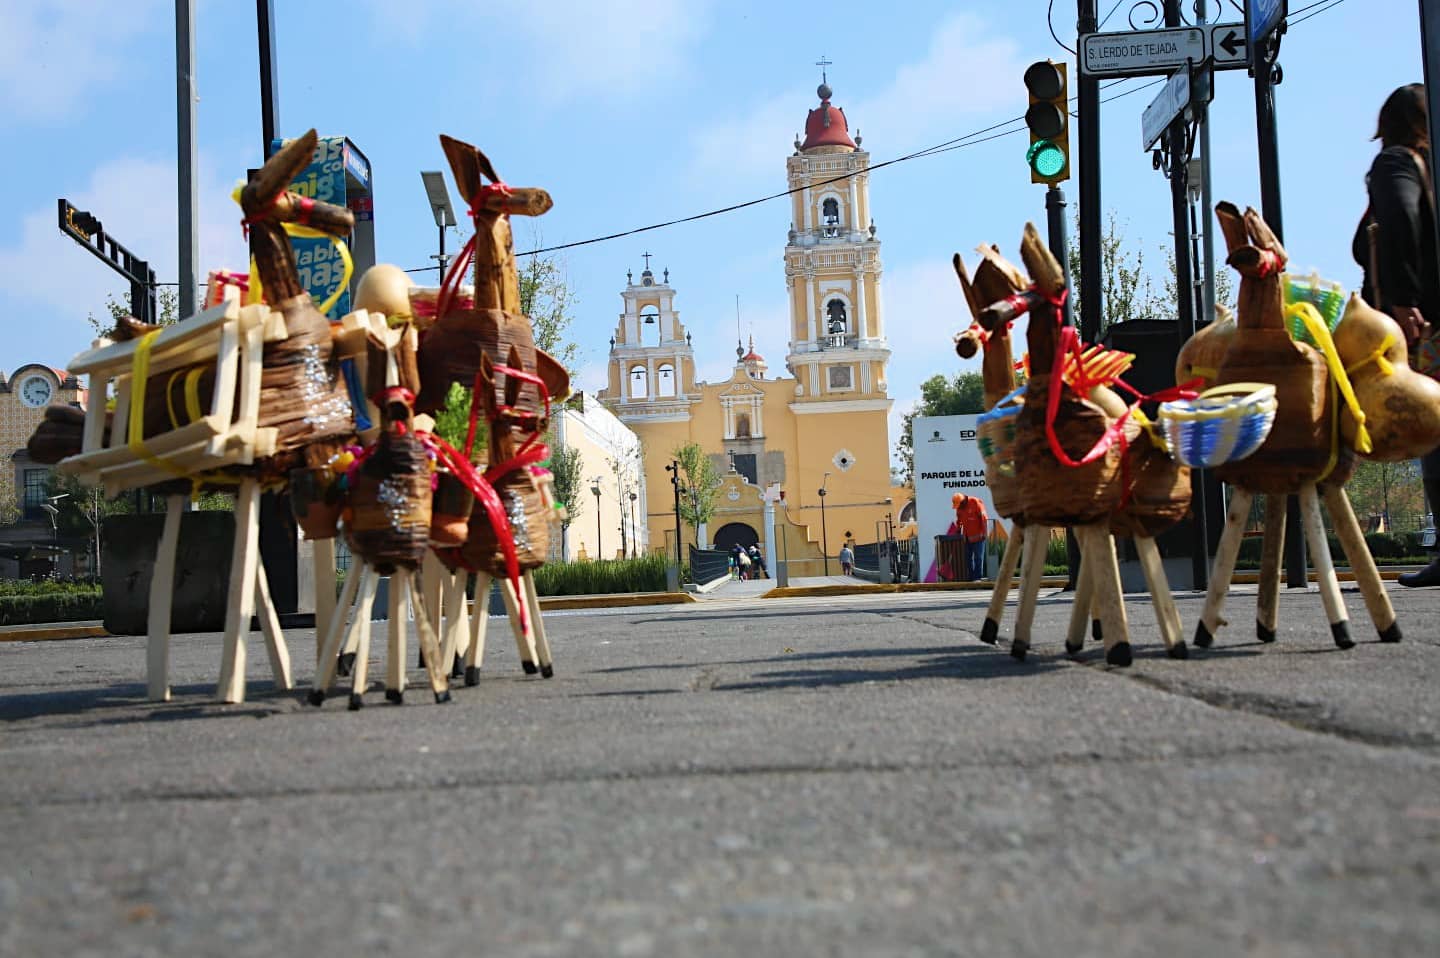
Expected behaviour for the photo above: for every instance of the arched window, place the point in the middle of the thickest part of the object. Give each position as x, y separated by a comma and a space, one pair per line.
830, 216
665, 380
835, 317
742, 425
649, 316
639, 382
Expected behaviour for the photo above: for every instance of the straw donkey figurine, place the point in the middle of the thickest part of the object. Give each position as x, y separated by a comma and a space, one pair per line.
1305, 452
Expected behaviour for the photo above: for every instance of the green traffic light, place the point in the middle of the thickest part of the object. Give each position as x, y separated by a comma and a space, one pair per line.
1046, 159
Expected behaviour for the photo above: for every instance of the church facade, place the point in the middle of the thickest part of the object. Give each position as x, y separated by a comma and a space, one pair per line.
824, 423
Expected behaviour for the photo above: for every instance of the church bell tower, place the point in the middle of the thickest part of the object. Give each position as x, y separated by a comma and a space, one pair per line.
838, 350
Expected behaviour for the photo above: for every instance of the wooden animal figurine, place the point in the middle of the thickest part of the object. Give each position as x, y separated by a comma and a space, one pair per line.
1304, 453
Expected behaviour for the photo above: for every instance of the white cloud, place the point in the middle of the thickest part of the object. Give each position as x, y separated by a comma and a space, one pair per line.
591, 50
53, 53
48, 276
926, 103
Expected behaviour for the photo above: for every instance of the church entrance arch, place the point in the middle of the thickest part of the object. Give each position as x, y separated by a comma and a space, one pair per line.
735, 533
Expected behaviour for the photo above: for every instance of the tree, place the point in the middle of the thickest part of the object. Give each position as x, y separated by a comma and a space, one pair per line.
965, 394
1224, 284
168, 303
1386, 489
566, 466
699, 483
545, 297
626, 466
9, 503
1129, 293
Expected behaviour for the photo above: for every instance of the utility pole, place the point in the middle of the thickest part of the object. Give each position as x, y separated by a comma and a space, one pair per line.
269, 82
188, 199
674, 470
1430, 52
1091, 293
824, 536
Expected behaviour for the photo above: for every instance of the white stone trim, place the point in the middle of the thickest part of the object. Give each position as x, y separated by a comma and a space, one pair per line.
841, 405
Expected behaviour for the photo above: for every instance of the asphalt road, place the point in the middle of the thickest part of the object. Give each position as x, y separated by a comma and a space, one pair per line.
839, 776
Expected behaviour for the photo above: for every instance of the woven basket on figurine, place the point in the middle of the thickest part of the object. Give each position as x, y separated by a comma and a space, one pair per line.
1223, 424
1157, 488
1051, 492
450, 511
995, 433
387, 517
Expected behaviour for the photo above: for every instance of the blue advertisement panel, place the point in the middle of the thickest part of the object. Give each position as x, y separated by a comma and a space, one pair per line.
317, 260
1262, 16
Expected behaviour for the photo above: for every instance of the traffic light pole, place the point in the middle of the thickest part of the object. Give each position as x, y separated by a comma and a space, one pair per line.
1088, 120
1059, 239
1266, 74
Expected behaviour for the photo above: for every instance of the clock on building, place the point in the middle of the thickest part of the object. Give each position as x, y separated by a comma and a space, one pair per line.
36, 391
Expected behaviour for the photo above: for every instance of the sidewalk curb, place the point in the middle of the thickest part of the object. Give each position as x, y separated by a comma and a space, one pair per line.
867, 588
617, 601
50, 633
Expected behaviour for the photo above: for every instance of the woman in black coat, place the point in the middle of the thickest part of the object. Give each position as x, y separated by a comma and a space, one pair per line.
1396, 245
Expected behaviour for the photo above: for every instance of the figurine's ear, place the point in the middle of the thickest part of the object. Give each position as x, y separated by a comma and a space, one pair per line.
465, 164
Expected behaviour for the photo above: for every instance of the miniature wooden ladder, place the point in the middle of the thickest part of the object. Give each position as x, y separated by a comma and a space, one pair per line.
1352, 541
249, 592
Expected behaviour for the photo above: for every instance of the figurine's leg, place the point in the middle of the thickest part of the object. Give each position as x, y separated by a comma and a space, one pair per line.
454, 596
1032, 570
240, 601
395, 648
162, 597
1080, 606
1267, 606
1165, 612
429, 643
329, 661
1362, 563
1224, 567
479, 625
324, 563
524, 640
520, 625
1324, 568
361, 674
537, 626
462, 625
426, 588
275, 647
1099, 551
1009, 560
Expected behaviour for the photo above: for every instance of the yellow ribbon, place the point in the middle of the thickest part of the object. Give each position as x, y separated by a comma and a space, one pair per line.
139, 373
1320, 332
1205, 372
304, 232
1377, 357
1137, 415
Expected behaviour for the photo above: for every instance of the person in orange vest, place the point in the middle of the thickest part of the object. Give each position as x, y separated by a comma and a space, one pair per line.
972, 522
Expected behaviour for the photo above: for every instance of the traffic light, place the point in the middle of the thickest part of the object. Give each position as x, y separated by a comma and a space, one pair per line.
1049, 121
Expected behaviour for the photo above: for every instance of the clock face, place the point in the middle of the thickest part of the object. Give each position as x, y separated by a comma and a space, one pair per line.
35, 391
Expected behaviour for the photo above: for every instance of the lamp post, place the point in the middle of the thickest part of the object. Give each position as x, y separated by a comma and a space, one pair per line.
634, 533
824, 537
439, 196
595, 488
674, 470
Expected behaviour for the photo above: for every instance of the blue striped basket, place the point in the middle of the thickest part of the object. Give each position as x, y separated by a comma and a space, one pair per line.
1223, 424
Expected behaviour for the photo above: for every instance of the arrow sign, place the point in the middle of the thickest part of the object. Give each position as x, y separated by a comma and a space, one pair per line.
1228, 47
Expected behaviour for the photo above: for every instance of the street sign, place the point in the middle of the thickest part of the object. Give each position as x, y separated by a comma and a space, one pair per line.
1173, 100
1261, 17
1227, 46
1141, 52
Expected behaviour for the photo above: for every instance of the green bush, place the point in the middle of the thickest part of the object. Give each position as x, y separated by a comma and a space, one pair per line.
602, 576
1055, 553
56, 606
11, 587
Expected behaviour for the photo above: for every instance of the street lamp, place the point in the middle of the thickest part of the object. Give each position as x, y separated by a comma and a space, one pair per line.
634, 533
674, 470
439, 196
595, 488
824, 539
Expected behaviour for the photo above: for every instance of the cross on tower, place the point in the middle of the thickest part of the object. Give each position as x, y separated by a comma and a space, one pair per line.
647, 260
822, 63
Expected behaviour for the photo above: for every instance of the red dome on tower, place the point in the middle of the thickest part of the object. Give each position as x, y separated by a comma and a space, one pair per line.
826, 126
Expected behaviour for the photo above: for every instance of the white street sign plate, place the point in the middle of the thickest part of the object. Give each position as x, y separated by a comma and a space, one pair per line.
1228, 47
1173, 100
1141, 52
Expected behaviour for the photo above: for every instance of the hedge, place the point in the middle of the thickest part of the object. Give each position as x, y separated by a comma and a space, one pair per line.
602, 576
50, 607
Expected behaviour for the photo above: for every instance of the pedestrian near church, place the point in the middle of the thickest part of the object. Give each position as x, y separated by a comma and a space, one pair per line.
757, 563
972, 522
1395, 244
847, 559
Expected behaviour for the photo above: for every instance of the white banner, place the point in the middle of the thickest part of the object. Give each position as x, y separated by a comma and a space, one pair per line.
947, 461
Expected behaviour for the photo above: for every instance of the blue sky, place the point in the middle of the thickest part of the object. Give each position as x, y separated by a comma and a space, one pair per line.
632, 113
